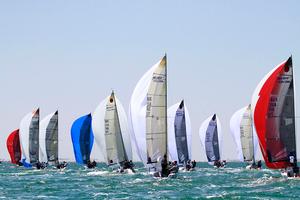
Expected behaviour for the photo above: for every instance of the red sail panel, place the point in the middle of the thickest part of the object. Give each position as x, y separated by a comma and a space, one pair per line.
274, 117
13, 147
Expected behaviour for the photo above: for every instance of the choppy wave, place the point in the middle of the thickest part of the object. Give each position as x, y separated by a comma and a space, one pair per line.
77, 182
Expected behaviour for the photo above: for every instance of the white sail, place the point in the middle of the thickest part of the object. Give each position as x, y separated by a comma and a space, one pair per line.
156, 114
235, 123
203, 130
98, 126
29, 137
247, 135
244, 134
172, 147
48, 139
137, 113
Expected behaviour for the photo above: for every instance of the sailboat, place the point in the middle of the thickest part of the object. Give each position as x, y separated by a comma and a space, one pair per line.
148, 115
29, 139
82, 139
274, 117
179, 134
211, 139
111, 134
241, 126
48, 154
13, 147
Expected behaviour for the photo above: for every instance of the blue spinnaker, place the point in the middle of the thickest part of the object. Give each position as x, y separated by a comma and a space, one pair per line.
82, 138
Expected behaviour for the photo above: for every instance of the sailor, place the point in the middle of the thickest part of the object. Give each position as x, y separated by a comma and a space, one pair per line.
295, 167
194, 164
128, 165
165, 167
224, 163
188, 165
91, 164
131, 163
61, 165
259, 164
174, 168
217, 163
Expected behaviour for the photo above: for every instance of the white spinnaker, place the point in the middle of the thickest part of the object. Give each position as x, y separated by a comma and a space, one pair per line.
43, 129
137, 113
171, 132
247, 135
202, 133
24, 135
235, 123
99, 131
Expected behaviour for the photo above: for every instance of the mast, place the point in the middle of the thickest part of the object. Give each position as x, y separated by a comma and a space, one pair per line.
253, 157
166, 107
295, 110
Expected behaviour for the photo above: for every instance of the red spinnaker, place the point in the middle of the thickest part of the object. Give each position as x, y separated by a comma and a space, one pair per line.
13, 147
274, 117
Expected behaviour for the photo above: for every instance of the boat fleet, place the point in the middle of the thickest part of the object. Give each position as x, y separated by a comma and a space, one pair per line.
162, 136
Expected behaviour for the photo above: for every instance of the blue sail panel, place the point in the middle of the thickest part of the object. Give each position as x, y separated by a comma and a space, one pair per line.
82, 138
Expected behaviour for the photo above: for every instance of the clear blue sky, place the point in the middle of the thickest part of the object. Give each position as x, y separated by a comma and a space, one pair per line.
68, 55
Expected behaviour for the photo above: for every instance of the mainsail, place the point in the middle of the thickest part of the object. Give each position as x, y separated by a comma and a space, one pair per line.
13, 147
245, 138
156, 114
137, 112
29, 138
82, 138
179, 133
210, 137
111, 130
49, 139
274, 116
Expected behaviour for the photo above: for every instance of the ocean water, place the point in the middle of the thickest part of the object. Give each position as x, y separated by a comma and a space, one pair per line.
77, 182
